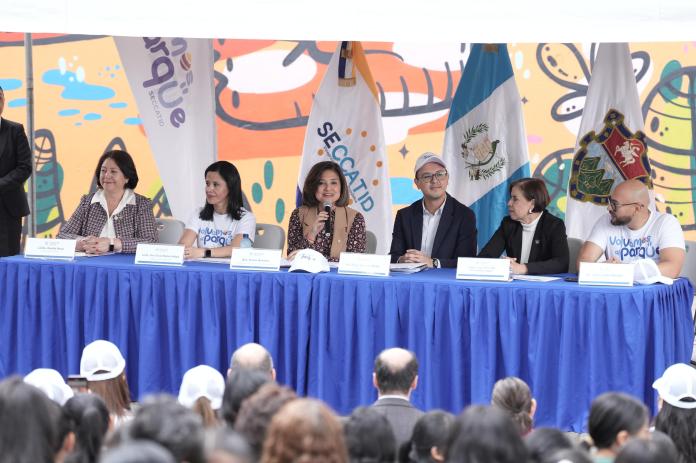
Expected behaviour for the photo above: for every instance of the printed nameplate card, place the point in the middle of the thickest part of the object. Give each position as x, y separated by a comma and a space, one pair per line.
602, 274
353, 263
159, 254
49, 248
477, 268
267, 260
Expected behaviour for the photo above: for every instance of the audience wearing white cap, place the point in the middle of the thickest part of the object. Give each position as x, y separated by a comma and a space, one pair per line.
51, 383
103, 365
203, 382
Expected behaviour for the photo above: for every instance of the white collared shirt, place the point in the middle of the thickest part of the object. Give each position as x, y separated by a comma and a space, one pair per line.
528, 230
430, 224
99, 197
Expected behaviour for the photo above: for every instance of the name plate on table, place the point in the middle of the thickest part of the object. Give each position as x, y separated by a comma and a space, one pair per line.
601, 274
267, 260
478, 268
159, 254
353, 263
49, 248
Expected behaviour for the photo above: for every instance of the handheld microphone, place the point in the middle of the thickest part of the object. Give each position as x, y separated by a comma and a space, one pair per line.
327, 225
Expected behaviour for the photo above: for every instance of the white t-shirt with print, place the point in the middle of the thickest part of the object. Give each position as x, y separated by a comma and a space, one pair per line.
659, 232
222, 229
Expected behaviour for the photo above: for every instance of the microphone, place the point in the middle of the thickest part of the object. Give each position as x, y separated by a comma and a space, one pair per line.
327, 225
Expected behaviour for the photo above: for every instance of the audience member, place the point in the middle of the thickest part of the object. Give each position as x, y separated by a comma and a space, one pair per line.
395, 377
512, 395
240, 384
51, 383
430, 436
252, 356
569, 456
89, 420
484, 434
163, 420
257, 411
105, 370
677, 415
369, 436
658, 449
201, 390
223, 445
614, 419
304, 430
544, 442
138, 451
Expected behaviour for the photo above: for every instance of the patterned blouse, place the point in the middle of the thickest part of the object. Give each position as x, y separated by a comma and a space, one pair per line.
356, 242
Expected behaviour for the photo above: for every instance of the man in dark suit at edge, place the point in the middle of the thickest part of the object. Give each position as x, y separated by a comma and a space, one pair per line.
15, 169
437, 229
395, 377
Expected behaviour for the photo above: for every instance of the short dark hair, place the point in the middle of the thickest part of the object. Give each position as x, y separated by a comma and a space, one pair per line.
89, 419
572, 455
311, 184
391, 380
613, 412
534, 189
658, 449
431, 430
369, 436
680, 425
230, 175
138, 451
124, 161
241, 383
544, 442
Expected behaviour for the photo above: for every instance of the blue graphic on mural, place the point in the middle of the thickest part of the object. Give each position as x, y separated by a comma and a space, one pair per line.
68, 112
17, 103
133, 121
404, 191
118, 105
75, 88
10, 84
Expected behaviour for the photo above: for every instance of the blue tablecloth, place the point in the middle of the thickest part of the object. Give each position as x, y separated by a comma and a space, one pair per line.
569, 342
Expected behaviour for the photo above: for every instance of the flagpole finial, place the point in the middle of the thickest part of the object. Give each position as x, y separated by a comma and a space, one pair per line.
490, 47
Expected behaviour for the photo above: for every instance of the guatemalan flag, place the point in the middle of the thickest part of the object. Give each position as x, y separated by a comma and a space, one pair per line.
345, 126
485, 142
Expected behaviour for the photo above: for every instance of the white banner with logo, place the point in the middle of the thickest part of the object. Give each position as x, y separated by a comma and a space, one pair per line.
172, 82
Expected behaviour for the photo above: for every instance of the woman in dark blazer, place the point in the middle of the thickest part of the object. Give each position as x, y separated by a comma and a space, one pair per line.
534, 240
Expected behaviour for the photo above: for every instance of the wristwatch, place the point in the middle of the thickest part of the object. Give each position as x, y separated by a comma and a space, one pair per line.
436, 262
111, 245
208, 253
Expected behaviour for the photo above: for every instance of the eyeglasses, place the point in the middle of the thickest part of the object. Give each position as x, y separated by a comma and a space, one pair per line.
427, 178
614, 205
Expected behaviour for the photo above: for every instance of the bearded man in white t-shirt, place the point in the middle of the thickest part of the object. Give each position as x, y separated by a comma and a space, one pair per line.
632, 232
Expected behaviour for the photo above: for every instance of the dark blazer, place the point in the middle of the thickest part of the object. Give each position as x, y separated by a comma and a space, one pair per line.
548, 253
15, 169
455, 236
402, 416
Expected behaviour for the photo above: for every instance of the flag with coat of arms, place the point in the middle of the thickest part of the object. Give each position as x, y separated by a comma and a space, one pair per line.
345, 126
611, 146
485, 146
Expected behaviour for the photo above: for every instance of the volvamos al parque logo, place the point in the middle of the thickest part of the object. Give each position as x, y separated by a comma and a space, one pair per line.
170, 78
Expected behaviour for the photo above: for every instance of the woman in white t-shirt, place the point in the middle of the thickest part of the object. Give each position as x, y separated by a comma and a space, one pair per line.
219, 226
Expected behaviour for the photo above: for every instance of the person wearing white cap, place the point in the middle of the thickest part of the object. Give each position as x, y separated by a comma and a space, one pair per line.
105, 370
201, 390
437, 229
631, 232
51, 383
677, 416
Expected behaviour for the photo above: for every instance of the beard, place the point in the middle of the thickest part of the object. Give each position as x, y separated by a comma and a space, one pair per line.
619, 221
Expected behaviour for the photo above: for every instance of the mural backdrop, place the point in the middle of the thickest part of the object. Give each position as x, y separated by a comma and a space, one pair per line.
264, 93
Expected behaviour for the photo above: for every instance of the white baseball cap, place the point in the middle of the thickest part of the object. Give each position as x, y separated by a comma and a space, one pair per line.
51, 383
309, 261
202, 381
646, 272
676, 383
101, 360
426, 158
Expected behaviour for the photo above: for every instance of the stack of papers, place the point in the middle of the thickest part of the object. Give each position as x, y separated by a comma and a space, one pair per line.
407, 267
540, 278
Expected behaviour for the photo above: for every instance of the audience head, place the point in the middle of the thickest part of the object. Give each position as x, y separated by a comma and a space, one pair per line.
138, 451
223, 188
28, 423
252, 356
89, 420
512, 395
116, 169
369, 436
104, 368
164, 420
659, 448
304, 430
677, 415
51, 383
569, 456
430, 436
323, 178
201, 390
527, 196
396, 372
223, 445
257, 411
615, 418
240, 384
544, 442
485, 434
629, 199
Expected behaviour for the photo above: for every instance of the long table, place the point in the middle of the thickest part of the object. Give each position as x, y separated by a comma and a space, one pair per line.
569, 342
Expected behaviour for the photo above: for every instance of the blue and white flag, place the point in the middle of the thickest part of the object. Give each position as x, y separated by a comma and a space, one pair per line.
485, 141
345, 126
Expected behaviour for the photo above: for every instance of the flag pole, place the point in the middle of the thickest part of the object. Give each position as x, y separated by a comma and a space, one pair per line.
29, 77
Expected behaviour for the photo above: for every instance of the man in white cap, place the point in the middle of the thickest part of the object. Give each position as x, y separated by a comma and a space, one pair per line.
437, 229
